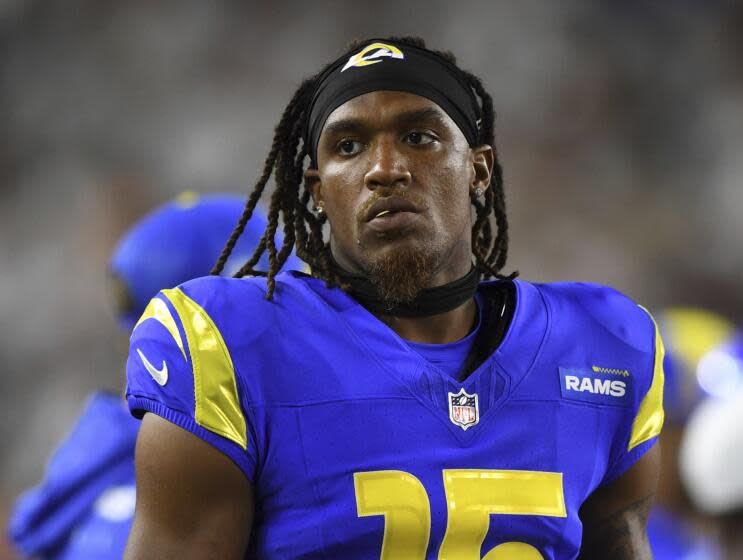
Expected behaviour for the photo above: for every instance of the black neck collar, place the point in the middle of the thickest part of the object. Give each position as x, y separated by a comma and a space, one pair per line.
431, 301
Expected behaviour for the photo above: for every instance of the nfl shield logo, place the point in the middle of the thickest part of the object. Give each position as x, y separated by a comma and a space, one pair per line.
463, 409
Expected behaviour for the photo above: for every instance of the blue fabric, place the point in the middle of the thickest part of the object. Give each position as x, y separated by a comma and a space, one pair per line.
83, 507
672, 538
449, 358
328, 392
182, 240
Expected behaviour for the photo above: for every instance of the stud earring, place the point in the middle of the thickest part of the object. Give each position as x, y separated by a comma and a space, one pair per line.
479, 191
319, 209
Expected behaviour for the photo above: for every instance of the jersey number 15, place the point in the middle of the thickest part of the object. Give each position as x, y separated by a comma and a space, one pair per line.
471, 496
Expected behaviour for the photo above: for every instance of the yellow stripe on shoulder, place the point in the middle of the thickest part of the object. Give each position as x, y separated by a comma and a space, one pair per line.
158, 310
649, 419
217, 401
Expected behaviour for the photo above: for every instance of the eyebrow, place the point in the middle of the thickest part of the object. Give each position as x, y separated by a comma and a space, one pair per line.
425, 114
407, 118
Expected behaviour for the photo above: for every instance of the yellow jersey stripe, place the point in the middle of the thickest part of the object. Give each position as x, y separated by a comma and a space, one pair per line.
158, 310
215, 388
649, 419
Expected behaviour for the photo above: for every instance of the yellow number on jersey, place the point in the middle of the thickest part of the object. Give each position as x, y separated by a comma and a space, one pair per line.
471, 497
403, 501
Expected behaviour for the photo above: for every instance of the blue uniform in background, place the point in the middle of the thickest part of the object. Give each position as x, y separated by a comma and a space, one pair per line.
673, 538
359, 447
688, 334
84, 506
182, 240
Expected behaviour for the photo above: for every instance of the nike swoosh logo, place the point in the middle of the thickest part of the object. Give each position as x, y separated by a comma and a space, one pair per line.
159, 375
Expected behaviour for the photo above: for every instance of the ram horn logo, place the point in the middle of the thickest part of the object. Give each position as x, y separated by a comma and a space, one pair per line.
371, 54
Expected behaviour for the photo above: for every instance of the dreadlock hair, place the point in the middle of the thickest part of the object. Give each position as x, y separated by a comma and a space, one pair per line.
303, 230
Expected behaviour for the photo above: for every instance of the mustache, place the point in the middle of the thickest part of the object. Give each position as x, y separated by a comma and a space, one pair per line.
412, 197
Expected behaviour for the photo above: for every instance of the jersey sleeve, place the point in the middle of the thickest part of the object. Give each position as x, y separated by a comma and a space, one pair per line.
180, 368
639, 435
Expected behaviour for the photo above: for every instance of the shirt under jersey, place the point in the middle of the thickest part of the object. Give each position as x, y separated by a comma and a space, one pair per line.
449, 357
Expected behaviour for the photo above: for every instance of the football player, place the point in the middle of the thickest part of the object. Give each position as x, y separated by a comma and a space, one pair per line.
396, 403
675, 530
83, 508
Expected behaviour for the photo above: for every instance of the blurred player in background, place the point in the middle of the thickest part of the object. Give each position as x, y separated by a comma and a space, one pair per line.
712, 447
674, 529
83, 508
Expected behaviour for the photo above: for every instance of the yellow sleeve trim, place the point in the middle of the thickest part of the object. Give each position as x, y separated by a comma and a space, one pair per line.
158, 310
217, 402
649, 419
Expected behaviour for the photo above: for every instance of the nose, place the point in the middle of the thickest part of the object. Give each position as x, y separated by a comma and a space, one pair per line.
388, 167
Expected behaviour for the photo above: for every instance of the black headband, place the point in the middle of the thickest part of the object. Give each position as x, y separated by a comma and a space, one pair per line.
382, 65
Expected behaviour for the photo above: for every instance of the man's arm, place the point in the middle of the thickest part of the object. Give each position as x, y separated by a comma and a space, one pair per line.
615, 516
192, 500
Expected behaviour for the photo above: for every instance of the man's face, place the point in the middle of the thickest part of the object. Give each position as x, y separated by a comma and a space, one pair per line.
394, 176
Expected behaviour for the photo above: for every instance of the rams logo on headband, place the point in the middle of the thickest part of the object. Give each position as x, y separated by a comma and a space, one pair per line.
371, 54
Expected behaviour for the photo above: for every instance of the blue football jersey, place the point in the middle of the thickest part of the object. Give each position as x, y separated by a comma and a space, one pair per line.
360, 448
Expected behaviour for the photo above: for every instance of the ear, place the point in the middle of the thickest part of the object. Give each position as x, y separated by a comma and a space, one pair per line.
312, 182
482, 166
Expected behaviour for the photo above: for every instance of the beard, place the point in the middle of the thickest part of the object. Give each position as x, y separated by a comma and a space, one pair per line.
400, 276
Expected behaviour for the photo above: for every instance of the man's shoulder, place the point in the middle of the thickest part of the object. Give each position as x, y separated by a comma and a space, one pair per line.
600, 309
607, 353
595, 299
238, 312
220, 296
209, 291
602, 340
216, 318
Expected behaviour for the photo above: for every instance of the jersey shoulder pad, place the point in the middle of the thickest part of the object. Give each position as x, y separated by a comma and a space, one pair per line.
622, 342
240, 304
614, 312
178, 359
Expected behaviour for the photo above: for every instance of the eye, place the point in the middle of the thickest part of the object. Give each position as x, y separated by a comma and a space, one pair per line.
349, 147
420, 138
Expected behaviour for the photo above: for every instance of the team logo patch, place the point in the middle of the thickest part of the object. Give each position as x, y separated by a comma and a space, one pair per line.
596, 385
464, 410
372, 54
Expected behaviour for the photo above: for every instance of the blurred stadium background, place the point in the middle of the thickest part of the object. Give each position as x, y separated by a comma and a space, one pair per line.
620, 130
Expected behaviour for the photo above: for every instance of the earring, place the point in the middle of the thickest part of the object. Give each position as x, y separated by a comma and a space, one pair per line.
319, 210
479, 191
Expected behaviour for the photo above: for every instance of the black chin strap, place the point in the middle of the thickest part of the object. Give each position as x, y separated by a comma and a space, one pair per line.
431, 301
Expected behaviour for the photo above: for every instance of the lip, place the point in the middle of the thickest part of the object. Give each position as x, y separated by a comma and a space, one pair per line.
398, 220
394, 205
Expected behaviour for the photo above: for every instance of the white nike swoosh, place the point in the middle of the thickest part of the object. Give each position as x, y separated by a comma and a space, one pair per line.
159, 375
